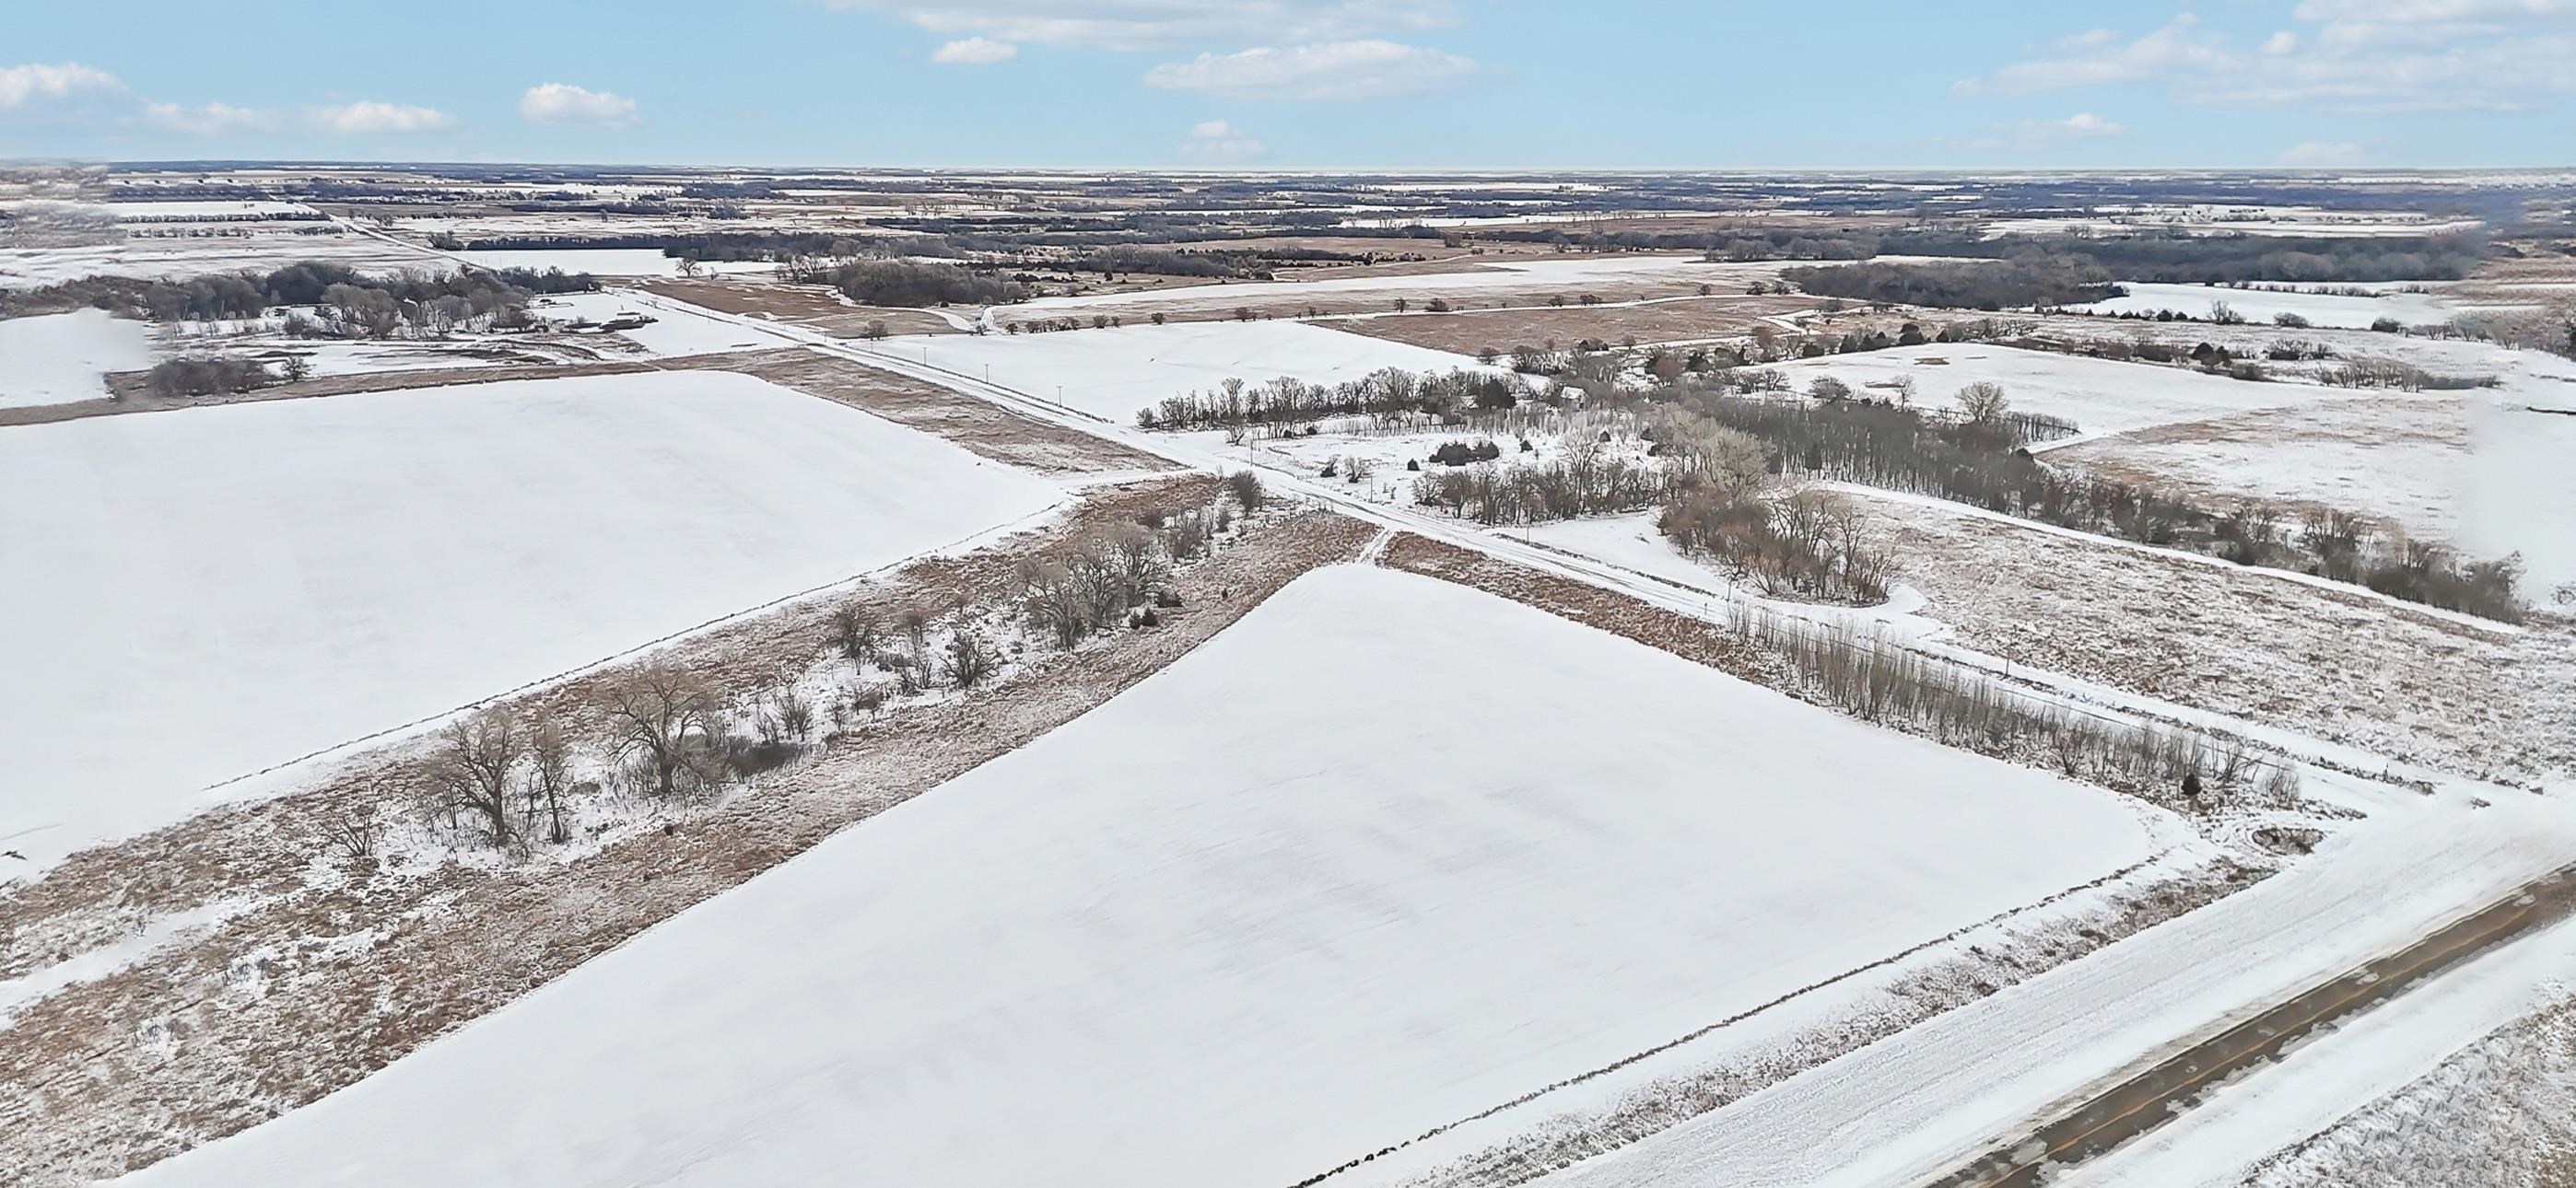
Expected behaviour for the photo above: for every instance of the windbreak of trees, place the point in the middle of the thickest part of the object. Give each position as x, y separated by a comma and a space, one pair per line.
1978, 461
1990, 285
1160, 261
905, 282
387, 301
1391, 395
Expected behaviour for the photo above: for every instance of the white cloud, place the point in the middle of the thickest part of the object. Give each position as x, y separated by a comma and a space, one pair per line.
976, 51
2082, 123
1217, 139
2106, 61
36, 83
2029, 135
564, 103
212, 119
2354, 56
368, 116
1162, 24
2319, 152
1330, 70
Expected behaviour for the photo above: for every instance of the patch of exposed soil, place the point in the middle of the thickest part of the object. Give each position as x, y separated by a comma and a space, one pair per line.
804, 305
987, 429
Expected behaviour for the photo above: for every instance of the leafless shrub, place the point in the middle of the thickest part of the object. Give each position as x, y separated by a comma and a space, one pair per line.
970, 660
355, 834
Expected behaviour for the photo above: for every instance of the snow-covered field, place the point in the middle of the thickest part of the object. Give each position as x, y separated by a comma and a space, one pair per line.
604, 261
1112, 373
1310, 890
677, 328
2522, 488
59, 358
193, 596
2099, 395
263, 246
2404, 458
1467, 283
2262, 305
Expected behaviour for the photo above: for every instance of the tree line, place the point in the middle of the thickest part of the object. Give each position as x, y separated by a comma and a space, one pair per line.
907, 283
250, 294
1390, 395
1980, 461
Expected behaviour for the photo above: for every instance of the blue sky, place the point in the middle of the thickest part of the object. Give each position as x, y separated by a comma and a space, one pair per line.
1377, 84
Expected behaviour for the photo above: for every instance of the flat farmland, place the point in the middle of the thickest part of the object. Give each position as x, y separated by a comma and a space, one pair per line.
1681, 320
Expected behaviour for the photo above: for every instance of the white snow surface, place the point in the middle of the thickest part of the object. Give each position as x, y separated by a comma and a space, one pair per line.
192, 596
60, 358
2339, 1071
1918, 1104
1112, 373
2100, 395
1312, 889
2261, 305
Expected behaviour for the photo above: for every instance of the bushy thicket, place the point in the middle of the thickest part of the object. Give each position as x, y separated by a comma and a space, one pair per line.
1390, 395
206, 377
2021, 281
913, 283
1585, 480
1807, 544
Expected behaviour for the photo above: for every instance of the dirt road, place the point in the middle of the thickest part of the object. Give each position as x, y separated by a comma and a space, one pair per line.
2149, 1099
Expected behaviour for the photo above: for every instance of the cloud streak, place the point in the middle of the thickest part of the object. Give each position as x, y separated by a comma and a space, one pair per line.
563, 103
1330, 71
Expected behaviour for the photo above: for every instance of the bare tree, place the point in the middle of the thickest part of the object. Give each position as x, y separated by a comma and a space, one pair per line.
473, 767
549, 773
856, 633
669, 719
1983, 402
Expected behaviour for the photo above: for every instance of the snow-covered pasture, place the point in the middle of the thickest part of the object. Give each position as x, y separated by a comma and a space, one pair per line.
1112, 373
2099, 395
193, 596
2262, 305
1311, 890
59, 358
